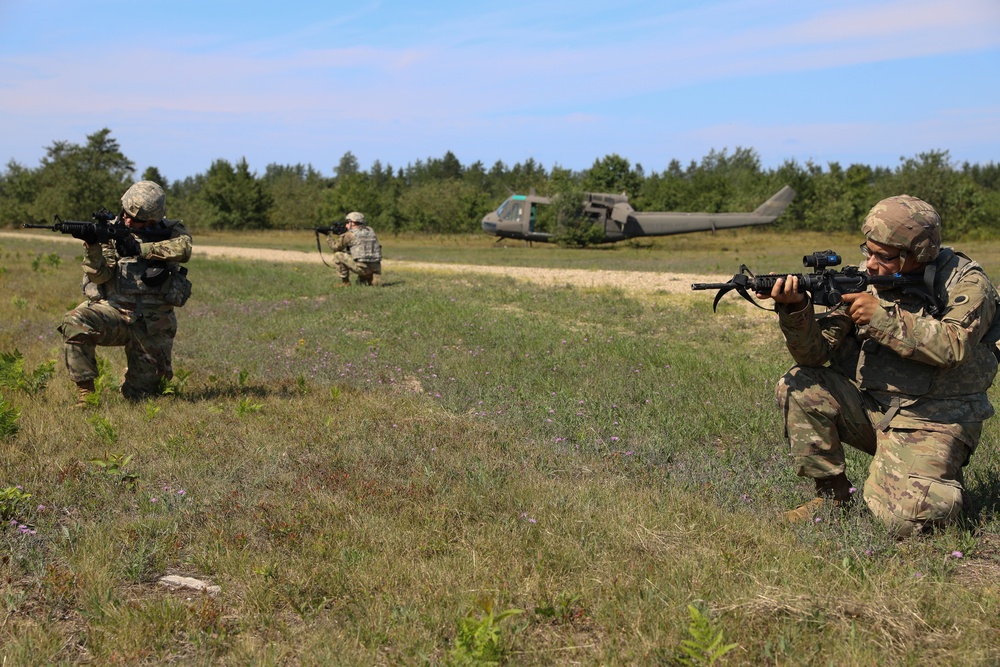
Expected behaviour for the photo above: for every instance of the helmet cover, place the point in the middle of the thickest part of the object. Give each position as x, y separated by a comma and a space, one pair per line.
907, 223
145, 201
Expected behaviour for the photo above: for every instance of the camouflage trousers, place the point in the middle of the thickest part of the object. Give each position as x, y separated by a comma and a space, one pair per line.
915, 476
347, 264
148, 342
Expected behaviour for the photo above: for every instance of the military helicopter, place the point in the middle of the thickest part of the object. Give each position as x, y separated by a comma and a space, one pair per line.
517, 216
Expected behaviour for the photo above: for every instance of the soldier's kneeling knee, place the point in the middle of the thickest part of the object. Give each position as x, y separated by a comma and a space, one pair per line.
923, 505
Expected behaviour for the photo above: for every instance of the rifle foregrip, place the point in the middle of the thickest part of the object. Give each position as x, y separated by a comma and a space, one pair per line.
764, 284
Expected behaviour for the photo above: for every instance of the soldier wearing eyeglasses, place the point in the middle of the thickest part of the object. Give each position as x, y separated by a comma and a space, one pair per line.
899, 373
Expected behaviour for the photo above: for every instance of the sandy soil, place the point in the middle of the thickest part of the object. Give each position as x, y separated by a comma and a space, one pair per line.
630, 281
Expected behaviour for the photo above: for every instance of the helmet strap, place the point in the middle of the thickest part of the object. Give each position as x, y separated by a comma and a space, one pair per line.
930, 275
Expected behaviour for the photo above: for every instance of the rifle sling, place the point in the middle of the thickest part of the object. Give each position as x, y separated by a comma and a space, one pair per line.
320, 249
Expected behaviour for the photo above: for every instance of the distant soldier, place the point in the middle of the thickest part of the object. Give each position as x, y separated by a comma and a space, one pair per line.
132, 286
900, 373
357, 250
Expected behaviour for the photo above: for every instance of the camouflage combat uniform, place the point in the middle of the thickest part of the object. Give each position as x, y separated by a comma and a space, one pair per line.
909, 388
125, 307
357, 250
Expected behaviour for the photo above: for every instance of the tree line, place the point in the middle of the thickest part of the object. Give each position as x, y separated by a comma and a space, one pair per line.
441, 195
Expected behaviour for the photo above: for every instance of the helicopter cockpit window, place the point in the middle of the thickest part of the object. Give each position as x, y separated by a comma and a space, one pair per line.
510, 211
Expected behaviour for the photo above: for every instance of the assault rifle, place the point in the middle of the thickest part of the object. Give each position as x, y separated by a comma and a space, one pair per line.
826, 286
104, 229
337, 228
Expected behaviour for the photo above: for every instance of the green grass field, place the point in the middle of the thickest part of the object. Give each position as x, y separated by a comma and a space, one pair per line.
373, 476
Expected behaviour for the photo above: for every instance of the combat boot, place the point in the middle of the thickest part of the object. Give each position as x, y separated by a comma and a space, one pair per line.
805, 511
365, 280
344, 282
83, 390
375, 280
837, 490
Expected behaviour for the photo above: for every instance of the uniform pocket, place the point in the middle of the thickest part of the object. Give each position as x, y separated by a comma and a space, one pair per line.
930, 500
179, 290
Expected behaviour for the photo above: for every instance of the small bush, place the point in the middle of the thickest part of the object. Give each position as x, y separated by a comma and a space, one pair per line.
13, 375
478, 639
9, 416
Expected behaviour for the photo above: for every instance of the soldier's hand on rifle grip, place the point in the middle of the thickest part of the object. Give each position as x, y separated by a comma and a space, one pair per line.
127, 246
861, 307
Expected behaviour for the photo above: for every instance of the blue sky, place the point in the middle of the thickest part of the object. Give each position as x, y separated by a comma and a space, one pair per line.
181, 83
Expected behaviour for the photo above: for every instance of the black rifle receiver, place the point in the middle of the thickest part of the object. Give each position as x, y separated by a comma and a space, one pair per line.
826, 286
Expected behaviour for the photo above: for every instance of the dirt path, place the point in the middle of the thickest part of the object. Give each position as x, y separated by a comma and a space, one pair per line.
630, 281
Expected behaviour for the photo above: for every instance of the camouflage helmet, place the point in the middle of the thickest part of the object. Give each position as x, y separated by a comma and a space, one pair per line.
354, 216
907, 223
145, 201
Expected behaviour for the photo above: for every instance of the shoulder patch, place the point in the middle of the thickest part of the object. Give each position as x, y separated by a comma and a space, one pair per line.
961, 298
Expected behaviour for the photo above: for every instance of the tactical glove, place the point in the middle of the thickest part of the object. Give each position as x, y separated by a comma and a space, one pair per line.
127, 246
86, 232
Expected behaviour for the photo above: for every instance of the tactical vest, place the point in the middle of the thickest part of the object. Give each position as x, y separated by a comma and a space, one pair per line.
878, 368
150, 283
364, 246
139, 281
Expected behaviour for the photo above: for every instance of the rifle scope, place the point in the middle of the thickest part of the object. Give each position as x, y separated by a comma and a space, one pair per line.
821, 260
